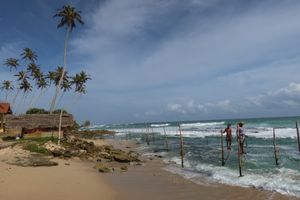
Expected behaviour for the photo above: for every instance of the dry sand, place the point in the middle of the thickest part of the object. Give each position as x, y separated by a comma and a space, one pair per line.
71, 179
74, 179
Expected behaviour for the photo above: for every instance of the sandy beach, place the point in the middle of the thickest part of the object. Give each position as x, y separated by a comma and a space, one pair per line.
76, 179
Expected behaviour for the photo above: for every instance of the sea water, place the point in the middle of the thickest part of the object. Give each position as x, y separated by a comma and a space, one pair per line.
202, 151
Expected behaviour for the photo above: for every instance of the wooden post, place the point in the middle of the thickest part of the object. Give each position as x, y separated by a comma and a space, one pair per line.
298, 138
222, 149
153, 138
275, 149
166, 140
147, 136
59, 127
2, 122
239, 151
181, 147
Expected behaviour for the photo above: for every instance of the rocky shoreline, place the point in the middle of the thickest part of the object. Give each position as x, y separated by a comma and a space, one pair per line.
106, 158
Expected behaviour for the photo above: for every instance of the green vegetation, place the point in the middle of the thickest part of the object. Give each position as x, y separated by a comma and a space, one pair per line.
40, 140
28, 77
37, 111
34, 147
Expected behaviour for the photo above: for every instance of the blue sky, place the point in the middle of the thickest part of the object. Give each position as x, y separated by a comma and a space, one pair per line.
164, 60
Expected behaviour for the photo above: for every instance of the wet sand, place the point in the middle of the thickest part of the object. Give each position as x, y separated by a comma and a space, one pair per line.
151, 181
77, 180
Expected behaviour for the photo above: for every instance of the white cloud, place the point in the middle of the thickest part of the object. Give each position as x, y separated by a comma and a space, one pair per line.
207, 51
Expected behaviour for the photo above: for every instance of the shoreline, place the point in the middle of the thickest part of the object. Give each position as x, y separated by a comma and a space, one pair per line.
152, 180
77, 179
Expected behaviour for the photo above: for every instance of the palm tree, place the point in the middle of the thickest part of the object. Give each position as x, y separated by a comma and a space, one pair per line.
21, 77
12, 63
29, 55
7, 86
32, 68
68, 17
79, 80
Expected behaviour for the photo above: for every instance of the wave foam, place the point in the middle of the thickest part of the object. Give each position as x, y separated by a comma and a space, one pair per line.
201, 124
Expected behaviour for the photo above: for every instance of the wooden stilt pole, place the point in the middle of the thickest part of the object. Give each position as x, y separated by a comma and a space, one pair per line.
166, 140
153, 138
59, 127
239, 151
147, 136
222, 149
275, 148
298, 138
2, 122
181, 147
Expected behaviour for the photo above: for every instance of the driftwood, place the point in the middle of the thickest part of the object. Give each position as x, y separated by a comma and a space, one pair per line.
34, 121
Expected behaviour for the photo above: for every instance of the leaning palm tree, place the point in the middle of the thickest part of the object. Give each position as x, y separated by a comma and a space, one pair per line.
21, 77
79, 80
68, 17
7, 86
29, 55
12, 63
32, 68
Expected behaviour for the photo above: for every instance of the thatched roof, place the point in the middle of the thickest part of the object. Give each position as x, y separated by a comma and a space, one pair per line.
34, 121
5, 108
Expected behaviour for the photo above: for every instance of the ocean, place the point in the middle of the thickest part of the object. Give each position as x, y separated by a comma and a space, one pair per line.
202, 151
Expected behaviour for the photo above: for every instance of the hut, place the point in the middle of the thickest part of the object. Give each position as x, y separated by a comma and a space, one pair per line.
37, 124
4, 110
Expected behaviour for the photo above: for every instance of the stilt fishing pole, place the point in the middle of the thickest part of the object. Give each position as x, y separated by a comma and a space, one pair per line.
166, 139
146, 135
153, 138
239, 150
298, 138
275, 148
181, 146
222, 149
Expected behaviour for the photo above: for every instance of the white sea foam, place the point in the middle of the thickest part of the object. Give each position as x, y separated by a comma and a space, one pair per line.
201, 124
285, 181
201, 132
159, 125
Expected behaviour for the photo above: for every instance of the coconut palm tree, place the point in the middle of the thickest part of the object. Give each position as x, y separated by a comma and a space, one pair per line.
12, 63
29, 55
79, 80
68, 17
7, 86
21, 77
32, 68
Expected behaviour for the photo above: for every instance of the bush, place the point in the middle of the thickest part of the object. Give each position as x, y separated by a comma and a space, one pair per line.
33, 147
37, 111
57, 111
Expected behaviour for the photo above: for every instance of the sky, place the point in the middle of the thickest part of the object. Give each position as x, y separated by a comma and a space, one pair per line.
164, 60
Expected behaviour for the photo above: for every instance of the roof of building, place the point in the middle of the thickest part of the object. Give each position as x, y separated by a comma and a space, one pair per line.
5, 108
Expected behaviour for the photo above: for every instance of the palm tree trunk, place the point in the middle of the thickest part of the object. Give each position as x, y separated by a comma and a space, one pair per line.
38, 97
6, 96
63, 73
14, 100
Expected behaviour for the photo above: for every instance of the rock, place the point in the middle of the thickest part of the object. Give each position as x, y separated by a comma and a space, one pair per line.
123, 158
124, 168
67, 154
104, 155
134, 156
102, 168
57, 153
55, 149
